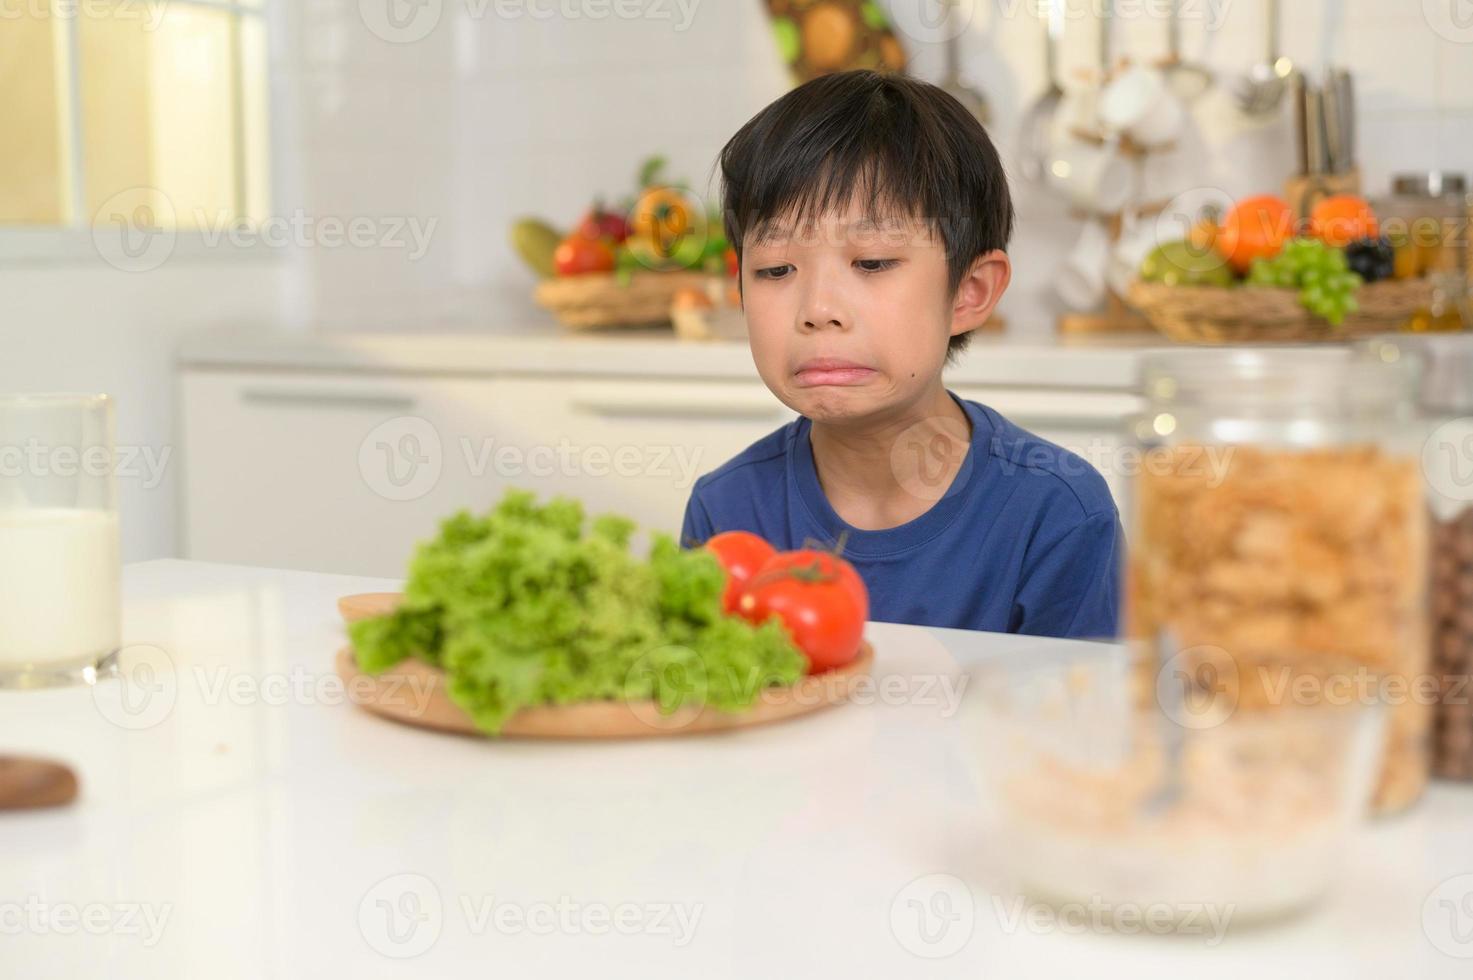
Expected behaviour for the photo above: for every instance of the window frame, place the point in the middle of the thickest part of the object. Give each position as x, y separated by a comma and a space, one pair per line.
24, 246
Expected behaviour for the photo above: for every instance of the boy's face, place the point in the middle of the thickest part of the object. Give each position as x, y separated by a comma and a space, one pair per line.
849, 319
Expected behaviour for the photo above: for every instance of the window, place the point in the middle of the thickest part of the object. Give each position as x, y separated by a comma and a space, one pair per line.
133, 103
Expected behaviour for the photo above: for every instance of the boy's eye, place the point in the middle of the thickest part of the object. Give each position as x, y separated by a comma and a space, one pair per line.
773, 272
876, 265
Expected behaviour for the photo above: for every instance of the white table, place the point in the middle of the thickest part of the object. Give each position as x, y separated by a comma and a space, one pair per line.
241, 821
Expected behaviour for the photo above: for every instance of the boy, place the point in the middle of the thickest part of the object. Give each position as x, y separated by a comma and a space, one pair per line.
870, 215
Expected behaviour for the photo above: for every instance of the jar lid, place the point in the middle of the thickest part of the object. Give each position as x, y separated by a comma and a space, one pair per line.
1433, 183
1340, 380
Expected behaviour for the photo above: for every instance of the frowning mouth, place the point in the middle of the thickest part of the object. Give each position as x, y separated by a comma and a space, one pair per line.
831, 371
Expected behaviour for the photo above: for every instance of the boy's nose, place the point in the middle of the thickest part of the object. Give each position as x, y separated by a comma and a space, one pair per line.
821, 312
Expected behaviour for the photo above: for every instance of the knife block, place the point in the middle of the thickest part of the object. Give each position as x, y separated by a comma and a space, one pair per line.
1304, 191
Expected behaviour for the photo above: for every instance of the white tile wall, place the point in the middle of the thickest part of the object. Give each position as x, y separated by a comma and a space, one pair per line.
488, 118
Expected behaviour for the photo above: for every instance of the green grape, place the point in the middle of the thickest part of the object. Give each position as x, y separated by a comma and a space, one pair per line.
1319, 273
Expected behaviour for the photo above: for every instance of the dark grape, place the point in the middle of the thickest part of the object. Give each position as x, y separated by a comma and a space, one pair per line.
1372, 259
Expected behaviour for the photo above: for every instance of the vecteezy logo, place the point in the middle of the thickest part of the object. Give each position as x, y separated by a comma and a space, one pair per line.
401, 916
1447, 459
134, 229
1451, 19
925, 454
933, 916
1191, 691
401, 21
137, 687
931, 21
401, 458
1447, 917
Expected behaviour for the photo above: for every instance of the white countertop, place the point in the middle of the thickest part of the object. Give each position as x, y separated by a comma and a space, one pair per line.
238, 820
992, 360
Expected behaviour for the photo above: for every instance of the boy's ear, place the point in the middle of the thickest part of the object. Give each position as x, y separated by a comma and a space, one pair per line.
980, 289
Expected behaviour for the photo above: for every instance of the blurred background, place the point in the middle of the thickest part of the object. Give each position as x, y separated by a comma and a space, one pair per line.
267, 228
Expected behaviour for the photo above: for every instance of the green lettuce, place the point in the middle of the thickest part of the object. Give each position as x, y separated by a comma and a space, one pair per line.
524, 606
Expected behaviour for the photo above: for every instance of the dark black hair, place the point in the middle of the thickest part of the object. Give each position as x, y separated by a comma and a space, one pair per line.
900, 147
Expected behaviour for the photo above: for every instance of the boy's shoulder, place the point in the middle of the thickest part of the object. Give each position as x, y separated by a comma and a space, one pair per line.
1017, 451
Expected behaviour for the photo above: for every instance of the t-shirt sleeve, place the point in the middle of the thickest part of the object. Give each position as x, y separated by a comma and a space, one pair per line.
1072, 588
696, 528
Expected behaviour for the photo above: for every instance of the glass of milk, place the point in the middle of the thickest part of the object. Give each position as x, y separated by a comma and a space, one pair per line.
60, 609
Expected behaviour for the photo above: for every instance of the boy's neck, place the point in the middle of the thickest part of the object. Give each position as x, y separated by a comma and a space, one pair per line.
887, 471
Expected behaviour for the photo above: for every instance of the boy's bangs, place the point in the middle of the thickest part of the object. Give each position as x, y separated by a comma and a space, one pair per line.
795, 198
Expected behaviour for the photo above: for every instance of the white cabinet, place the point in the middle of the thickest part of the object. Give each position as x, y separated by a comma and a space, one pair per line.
345, 473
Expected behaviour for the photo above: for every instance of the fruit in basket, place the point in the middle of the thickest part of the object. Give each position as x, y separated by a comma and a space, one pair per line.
1255, 228
1373, 259
600, 222
579, 255
536, 241
1184, 264
1322, 274
1341, 219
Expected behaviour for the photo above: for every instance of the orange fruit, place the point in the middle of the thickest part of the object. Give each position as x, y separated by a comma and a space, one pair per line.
1256, 228
1337, 221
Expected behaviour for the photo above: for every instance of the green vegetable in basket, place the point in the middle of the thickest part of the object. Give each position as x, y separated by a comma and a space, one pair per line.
1182, 264
523, 606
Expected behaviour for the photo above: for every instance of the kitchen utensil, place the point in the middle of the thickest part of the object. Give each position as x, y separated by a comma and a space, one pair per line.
1318, 148
1190, 80
1036, 139
1300, 95
955, 83
1261, 90
1140, 104
1336, 140
1344, 83
414, 693
1080, 282
27, 783
1095, 178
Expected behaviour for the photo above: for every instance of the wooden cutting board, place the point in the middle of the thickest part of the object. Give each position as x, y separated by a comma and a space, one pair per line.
414, 693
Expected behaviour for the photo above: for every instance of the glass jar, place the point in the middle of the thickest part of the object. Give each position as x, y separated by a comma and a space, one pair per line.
1447, 460
1279, 518
1426, 218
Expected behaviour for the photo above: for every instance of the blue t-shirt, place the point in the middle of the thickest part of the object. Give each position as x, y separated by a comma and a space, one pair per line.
1026, 539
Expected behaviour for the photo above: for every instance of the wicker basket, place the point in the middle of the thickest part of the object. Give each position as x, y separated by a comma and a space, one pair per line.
597, 300
1258, 314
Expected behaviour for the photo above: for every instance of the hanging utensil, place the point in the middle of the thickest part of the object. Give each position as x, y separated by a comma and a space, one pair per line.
1036, 139
954, 83
1261, 91
1189, 80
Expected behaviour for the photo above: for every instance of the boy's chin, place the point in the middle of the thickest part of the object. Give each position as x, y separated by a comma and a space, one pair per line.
835, 404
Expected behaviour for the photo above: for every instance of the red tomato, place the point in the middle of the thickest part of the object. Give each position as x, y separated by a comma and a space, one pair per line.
819, 597
598, 223
741, 553
733, 266
577, 254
